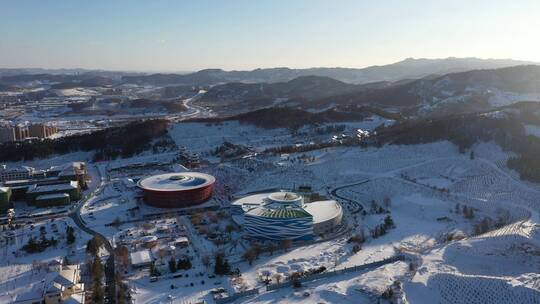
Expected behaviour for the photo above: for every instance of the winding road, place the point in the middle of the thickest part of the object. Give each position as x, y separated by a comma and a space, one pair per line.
75, 214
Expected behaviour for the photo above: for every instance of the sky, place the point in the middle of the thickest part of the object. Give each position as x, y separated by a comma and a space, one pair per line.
177, 35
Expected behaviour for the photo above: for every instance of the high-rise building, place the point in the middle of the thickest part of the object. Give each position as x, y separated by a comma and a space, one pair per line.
21, 132
41, 130
7, 134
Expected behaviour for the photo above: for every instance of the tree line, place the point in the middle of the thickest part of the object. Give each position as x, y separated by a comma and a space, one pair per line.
110, 143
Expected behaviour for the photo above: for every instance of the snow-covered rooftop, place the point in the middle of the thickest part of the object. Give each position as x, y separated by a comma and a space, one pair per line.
176, 181
52, 196
288, 205
323, 210
141, 257
59, 187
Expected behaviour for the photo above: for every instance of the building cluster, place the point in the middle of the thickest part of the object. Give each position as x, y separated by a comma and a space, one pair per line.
155, 241
188, 159
266, 216
62, 284
23, 132
57, 185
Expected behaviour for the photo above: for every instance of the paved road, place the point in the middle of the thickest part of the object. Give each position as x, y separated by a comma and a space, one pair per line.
75, 214
334, 191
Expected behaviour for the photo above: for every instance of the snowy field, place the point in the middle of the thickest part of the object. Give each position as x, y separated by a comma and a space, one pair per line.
424, 183
424, 189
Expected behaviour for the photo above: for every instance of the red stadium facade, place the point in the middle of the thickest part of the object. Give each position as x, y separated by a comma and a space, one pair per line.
177, 190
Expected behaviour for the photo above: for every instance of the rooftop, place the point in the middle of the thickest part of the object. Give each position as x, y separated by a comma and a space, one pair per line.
287, 205
176, 181
323, 210
283, 213
52, 196
285, 197
23, 169
50, 188
141, 257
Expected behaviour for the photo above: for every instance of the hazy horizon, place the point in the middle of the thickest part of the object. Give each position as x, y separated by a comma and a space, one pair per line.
251, 69
171, 36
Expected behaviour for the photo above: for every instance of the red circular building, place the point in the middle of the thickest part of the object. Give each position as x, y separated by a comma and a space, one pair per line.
177, 190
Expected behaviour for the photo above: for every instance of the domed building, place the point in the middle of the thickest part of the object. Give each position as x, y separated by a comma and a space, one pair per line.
285, 216
177, 190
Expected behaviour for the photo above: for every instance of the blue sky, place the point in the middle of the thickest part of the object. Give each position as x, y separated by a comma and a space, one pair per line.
167, 35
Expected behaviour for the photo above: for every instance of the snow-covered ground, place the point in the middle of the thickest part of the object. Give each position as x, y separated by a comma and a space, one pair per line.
424, 183
18, 273
423, 187
480, 270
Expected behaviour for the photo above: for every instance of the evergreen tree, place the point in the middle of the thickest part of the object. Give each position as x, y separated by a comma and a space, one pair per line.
468, 212
184, 264
70, 235
32, 245
92, 246
97, 292
388, 222
172, 265
97, 269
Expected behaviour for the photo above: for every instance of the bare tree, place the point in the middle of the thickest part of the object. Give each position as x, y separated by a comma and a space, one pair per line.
205, 259
286, 244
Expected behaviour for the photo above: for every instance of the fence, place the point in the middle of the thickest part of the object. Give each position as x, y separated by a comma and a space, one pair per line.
317, 276
236, 296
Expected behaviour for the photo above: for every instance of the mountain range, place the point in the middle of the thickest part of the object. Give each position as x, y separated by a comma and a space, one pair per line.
413, 87
464, 92
407, 69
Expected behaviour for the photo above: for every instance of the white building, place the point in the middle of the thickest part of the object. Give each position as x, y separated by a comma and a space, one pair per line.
285, 216
141, 258
61, 286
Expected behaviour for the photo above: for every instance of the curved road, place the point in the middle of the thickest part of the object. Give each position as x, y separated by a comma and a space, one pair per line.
334, 193
75, 214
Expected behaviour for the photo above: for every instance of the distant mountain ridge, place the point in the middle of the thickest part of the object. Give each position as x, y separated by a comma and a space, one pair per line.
455, 93
464, 92
240, 96
407, 69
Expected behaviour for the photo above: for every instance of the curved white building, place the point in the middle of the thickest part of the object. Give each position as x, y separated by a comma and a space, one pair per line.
285, 216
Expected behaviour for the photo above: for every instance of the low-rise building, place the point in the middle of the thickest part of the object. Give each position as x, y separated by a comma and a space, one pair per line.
141, 258
62, 286
20, 187
181, 242
17, 173
56, 199
72, 189
75, 171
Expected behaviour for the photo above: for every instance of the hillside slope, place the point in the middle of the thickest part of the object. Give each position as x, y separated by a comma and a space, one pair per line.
466, 92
